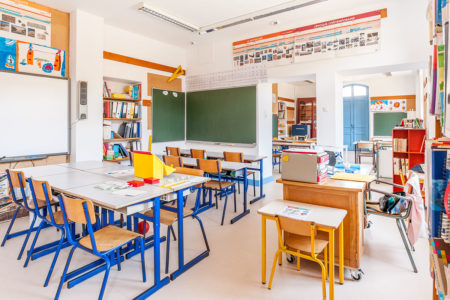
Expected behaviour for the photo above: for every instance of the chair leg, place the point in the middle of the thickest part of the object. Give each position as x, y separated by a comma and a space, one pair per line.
118, 257
105, 278
324, 279
55, 258
185, 201
273, 268
173, 233
27, 237
239, 187
63, 277
234, 198
411, 259
254, 184
224, 209
142, 246
30, 252
298, 261
168, 249
325, 260
203, 231
406, 230
11, 223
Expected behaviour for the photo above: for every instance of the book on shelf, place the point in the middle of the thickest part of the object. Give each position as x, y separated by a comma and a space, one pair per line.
129, 130
401, 166
107, 131
121, 110
115, 151
130, 92
400, 145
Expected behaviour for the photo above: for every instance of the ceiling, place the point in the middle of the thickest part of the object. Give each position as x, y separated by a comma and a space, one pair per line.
124, 14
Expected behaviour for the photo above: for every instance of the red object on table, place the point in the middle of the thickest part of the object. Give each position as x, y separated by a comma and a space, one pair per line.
143, 227
151, 180
135, 183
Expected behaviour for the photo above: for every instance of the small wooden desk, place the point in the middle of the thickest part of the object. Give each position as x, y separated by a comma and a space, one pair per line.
342, 194
327, 220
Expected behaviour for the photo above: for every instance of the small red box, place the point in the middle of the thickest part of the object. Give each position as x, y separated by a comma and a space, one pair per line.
135, 183
151, 180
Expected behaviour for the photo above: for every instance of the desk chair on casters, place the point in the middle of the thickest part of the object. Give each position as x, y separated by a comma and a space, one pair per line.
219, 186
300, 241
104, 243
372, 208
169, 216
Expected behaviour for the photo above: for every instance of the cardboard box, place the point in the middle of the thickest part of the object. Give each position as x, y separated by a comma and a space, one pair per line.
305, 166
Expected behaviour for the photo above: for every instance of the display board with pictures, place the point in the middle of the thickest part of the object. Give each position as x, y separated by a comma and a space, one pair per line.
20, 21
346, 36
393, 105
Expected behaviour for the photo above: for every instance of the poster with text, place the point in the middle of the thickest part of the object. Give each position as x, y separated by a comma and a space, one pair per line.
351, 35
40, 59
22, 22
394, 105
7, 54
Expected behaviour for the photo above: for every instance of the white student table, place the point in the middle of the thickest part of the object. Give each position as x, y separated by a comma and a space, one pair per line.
326, 218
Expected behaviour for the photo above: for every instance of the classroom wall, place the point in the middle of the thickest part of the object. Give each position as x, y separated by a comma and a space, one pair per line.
306, 90
141, 47
400, 49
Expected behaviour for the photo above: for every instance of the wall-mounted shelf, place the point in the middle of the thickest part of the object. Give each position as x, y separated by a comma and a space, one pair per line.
123, 119
121, 99
121, 139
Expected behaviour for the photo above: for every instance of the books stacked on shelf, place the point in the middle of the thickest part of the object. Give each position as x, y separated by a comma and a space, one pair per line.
115, 151
401, 166
121, 110
129, 130
412, 123
132, 92
400, 145
107, 130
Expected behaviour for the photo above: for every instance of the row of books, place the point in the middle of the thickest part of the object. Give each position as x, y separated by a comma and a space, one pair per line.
130, 92
122, 109
401, 166
126, 130
400, 145
115, 151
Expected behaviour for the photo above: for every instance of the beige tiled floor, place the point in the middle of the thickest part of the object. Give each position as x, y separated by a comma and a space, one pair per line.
232, 271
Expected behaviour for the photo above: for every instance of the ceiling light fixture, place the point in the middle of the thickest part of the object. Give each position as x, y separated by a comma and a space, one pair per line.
166, 17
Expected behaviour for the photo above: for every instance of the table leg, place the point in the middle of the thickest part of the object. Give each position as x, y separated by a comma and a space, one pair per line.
263, 249
246, 210
261, 183
341, 253
331, 269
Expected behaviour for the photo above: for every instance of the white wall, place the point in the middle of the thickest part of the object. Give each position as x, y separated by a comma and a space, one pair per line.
86, 56
404, 45
305, 91
138, 46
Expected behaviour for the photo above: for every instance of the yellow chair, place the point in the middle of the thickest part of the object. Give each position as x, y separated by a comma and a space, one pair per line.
300, 241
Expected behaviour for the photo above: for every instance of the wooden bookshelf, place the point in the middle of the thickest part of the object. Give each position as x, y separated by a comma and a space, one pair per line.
306, 114
121, 99
117, 160
121, 139
123, 119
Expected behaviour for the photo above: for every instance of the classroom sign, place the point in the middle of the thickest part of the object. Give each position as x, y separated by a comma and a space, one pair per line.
7, 54
351, 35
20, 20
39, 59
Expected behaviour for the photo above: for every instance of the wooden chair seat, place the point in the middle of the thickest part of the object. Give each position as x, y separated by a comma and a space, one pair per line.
58, 217
375, 210
303, 243
109, 237
276, 155
168, 217
216, 185
41, 204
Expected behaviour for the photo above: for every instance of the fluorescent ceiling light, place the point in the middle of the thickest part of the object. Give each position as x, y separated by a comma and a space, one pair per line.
166, 17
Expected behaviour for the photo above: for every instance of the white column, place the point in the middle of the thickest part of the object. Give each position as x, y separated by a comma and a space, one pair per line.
86, 64
264, 125
330, 124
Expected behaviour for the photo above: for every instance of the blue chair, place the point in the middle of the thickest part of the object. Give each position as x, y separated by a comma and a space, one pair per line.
42, 192
17, 181
104, 243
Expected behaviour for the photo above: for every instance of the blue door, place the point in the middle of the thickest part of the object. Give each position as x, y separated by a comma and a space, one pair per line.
356, 114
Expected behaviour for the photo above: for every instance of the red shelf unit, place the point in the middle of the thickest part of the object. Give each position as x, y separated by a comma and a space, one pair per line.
415, 153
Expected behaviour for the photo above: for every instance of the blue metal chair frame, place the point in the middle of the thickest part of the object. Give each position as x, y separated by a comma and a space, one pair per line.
62, 243
21, 204
111, 256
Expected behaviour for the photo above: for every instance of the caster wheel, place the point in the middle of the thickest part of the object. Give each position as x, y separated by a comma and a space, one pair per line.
369, 224
290, 258
357, 275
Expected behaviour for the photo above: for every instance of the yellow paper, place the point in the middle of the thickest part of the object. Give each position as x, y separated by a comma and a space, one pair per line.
353, 177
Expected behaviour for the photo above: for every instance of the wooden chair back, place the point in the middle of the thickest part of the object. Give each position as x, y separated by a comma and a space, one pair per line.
173, 161
209, 165
198, 153
297, 226
39, 192
16, 180
173, 151
75, 212
189, 171
233, 156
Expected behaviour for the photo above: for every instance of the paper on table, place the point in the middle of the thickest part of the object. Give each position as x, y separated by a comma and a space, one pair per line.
294, 212
112, 185
120, 173
129, 192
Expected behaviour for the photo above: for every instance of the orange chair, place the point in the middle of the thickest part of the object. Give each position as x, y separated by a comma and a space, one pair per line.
198, 154
173, 151
239, 157
173, 161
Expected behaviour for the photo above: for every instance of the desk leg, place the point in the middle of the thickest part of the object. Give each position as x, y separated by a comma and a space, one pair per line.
331, 279
263, 249
261, 183
246, 210
341, 253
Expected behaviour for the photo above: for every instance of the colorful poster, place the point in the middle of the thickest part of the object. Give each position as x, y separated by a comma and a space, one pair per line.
7, 54
23, 22
346, 36
40, 60
395, 105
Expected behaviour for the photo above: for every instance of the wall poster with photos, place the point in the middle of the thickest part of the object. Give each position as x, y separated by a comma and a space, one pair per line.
23, 22
351, 35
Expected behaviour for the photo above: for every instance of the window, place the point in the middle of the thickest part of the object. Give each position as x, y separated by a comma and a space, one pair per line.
359, 90
347, 91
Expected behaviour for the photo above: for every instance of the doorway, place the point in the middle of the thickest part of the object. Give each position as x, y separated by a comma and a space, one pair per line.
356, 114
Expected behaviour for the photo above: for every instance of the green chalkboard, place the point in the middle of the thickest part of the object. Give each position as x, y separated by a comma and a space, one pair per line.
226, 115
384, 122
274, 126
168, 116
